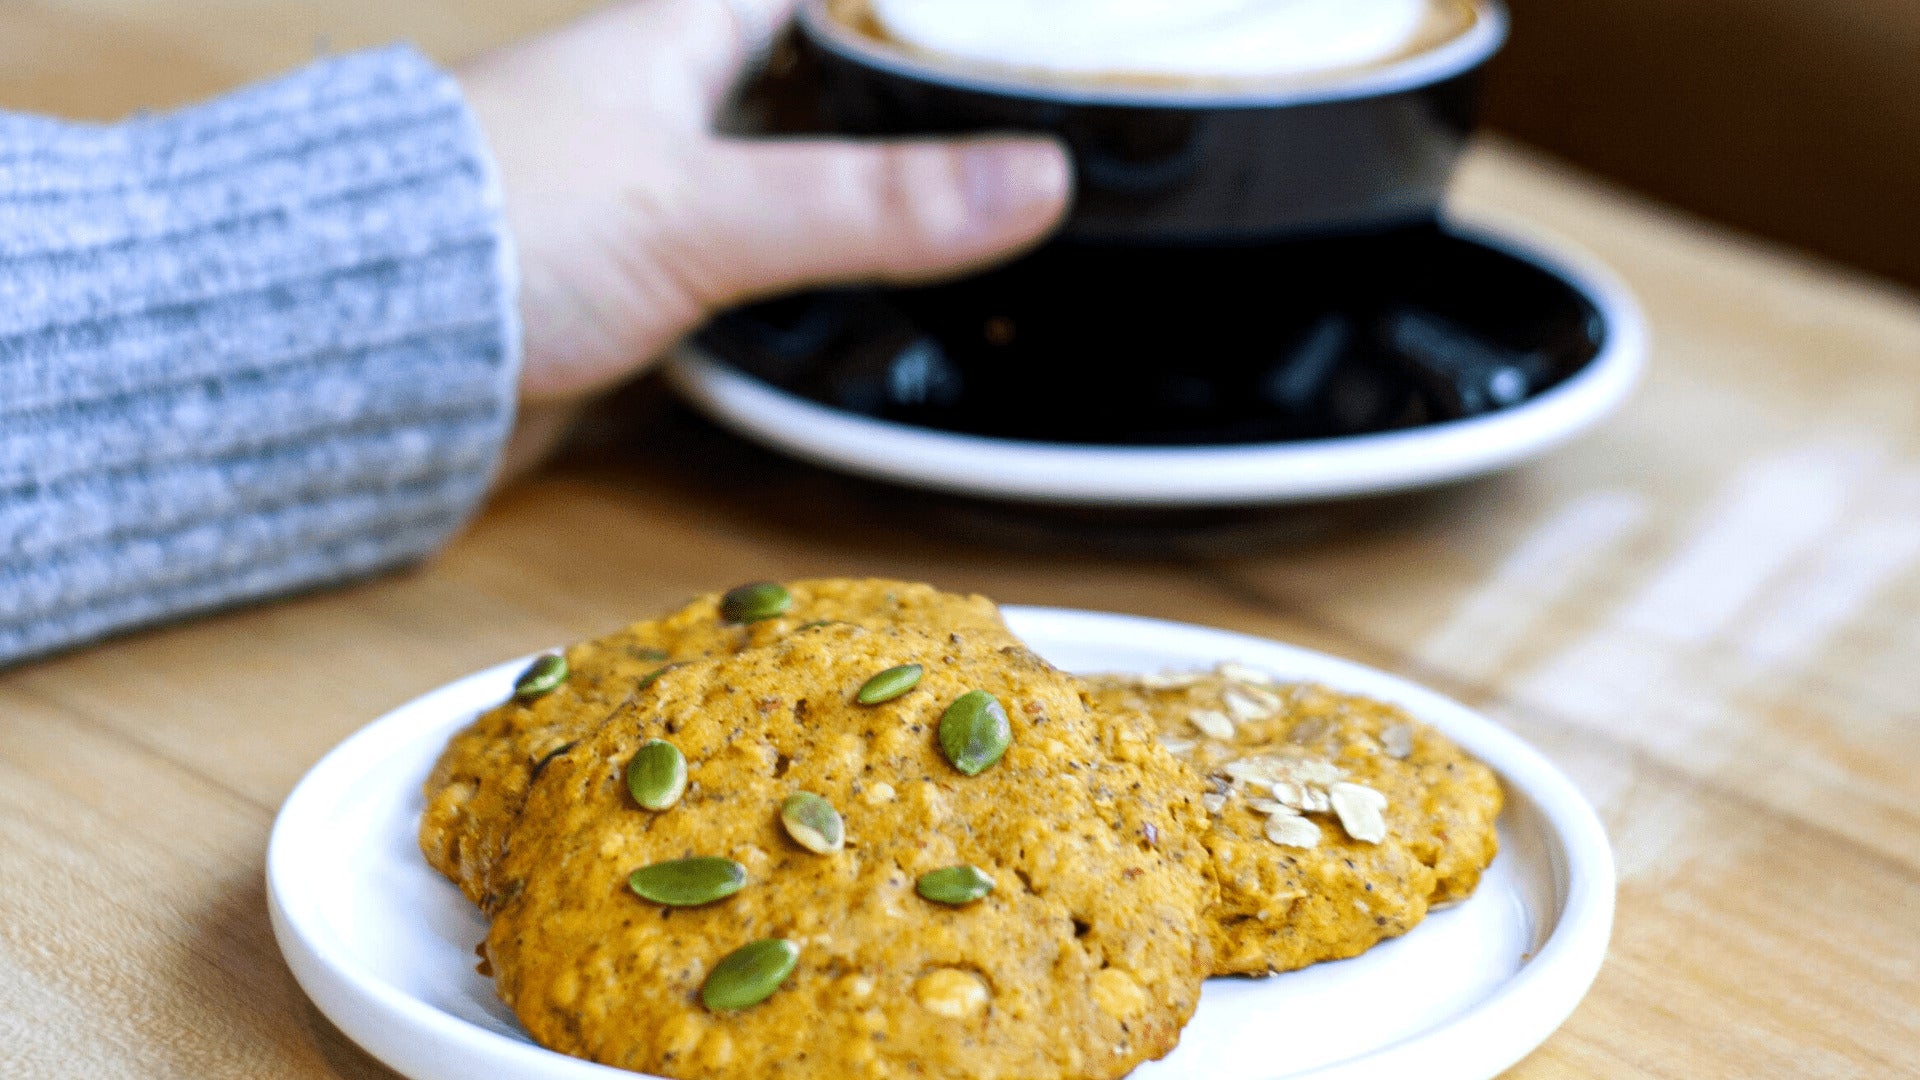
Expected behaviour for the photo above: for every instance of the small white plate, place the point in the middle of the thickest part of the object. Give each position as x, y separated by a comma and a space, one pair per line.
1191, 476
384, 945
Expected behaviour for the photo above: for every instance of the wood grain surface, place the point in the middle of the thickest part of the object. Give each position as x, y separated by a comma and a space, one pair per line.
1708, 613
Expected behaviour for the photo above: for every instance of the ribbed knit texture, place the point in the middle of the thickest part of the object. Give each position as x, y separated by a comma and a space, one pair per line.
253, 347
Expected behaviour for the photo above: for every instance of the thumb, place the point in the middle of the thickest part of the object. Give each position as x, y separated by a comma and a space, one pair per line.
770, 217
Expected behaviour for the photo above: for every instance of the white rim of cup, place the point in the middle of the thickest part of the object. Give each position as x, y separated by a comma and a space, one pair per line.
1469, 50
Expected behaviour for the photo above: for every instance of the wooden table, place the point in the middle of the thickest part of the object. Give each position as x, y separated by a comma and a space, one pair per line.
1708, 613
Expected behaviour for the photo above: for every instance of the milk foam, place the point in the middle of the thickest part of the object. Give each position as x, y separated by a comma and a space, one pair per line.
1226, 39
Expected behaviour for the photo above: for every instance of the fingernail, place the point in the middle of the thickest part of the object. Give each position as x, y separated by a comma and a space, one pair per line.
1015, 179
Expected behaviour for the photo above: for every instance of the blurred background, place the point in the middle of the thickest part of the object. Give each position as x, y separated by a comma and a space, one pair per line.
1793, 120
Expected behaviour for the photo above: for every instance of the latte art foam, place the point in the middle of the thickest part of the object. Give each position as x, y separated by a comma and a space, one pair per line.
1190, 39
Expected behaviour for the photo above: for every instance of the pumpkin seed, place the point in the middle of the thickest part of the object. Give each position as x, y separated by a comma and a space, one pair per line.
749, 975
657, 775
653, 676
752, 603
542, 677
889, 684
541, 765
813, 823
688, 882
974, 732
954, 885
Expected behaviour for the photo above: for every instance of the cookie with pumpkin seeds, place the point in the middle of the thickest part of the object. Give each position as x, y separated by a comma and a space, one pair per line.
1072, 946
1338, 821
476, 788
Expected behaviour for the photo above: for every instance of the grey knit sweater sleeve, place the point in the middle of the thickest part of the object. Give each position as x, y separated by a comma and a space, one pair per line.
257, 346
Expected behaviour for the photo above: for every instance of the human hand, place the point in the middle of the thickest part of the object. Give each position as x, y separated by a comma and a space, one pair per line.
634, 221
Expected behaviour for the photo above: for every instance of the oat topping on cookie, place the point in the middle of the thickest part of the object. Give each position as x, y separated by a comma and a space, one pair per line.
1335, 820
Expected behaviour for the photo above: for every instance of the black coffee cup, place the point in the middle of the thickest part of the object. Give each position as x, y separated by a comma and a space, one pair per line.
1365, 152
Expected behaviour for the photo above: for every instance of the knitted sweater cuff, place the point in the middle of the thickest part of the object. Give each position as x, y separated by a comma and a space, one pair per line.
257, 346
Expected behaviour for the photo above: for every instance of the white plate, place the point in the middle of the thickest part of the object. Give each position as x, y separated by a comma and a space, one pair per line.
384, 945
1260, 474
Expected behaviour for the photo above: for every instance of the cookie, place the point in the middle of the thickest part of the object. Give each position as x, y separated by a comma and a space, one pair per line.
1084, 959
1338, 821
480, 780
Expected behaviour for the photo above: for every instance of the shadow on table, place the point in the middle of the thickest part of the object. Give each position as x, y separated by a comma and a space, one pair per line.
643, 436
345, 1058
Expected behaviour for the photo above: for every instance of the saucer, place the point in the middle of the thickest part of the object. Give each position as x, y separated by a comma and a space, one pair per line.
384, 945
1099, 376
